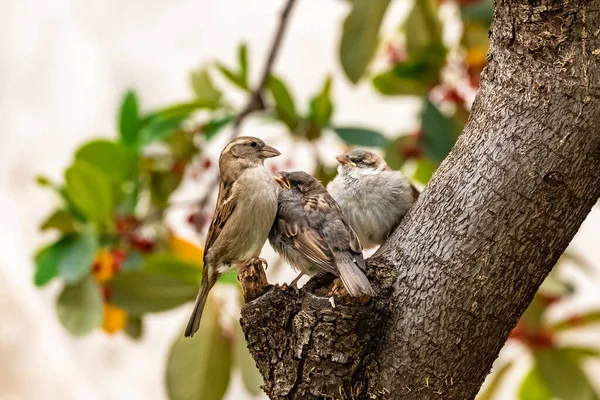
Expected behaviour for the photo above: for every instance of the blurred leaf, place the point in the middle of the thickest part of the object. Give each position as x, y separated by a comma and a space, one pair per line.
321, 107
325, 174
129, 119
476, 41
79, 307
159, 129
216, 125
162, 184
181, 111
134, 327
398, 150
60, 220
439, 133
43, 181
251, 377
482, 11
422, 27
204, 89
424, 171
133, 262
112, 158
75, 255
533, 387
495, 382
140, 292
89, 190
413, 77
580, 354
356, 136
186, 250
284, 104
577, 321
236, 79
533, 316
171, 265
229, 278
360, 35
243, 61
182, 145
199, 367
563, 377
46, 264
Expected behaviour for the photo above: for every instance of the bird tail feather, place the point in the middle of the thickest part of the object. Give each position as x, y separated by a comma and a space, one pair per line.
354, 280
194, 322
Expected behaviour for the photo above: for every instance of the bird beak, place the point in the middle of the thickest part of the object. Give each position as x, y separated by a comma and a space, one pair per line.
282, 180
344, 160
268, 152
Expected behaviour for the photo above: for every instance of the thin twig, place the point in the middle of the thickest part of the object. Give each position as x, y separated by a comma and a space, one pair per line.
255, 101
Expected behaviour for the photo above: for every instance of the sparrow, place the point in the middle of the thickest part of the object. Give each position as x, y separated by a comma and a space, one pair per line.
373, 197
310, 233
245, 210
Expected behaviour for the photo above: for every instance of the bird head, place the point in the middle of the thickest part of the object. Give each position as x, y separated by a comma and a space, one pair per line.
299, 181
360, 161
245, 152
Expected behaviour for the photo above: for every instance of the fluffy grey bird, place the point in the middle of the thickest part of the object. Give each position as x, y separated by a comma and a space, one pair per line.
244, 214
310, 233
373, 197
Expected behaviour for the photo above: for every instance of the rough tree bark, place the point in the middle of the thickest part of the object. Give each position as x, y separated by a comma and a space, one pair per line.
455, 277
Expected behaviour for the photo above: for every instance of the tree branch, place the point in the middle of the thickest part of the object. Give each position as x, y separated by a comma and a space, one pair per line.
455, 277
255, 100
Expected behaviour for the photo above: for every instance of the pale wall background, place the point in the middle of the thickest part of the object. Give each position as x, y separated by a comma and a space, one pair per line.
64, 65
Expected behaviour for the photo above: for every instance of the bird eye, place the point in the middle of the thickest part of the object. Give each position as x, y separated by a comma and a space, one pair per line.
252, 144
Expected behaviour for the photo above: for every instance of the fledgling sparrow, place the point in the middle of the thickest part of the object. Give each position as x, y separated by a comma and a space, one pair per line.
373, 197
244, 214
310, 233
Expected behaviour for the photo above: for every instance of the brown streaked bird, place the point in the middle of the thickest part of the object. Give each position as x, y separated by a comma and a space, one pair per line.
310, 233
245, 211
373, 197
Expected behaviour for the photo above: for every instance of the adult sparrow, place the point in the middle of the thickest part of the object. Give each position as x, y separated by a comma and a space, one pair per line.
373, 197
245, 211
310, 233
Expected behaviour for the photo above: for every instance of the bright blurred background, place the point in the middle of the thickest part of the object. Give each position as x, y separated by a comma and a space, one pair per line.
119, 111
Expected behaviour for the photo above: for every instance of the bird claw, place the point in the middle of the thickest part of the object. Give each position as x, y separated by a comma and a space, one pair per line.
261, 261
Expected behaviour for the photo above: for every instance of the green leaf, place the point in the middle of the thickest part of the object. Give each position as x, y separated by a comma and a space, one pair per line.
140, 292
482, 11
229, 278
356, 136
79, 307
180, 111
398, 150
533, 316
46, 264
199, 367
284, 103
424, 170
43, 181
129, 119
204, 89
162, 184
243, 61
75, 255
60, 220
236, 79
113, 159
216, 125
134, 327
360, 36
422, 27
168, 264
321, 107
533, 387
580, 354
325, 174
439, 133
563, 377
159, 129
133, 262
577, 321
90, 190
251, 377
495, 382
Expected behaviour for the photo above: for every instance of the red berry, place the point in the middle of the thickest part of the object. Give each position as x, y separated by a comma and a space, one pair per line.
207, 163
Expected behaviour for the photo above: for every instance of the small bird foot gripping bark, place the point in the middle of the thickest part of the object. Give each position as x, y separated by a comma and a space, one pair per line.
253, 279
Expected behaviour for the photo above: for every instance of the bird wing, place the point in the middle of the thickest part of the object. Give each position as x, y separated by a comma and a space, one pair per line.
226, 203
308, 242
